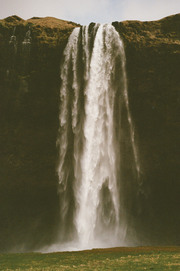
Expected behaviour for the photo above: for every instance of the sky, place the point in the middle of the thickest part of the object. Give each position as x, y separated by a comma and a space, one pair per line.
86, 11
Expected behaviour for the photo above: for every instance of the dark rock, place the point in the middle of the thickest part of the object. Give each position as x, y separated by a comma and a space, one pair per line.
29, 94
153, 59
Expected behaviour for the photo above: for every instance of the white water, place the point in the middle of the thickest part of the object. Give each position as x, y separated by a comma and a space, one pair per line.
13, 41
94, 88
26, 44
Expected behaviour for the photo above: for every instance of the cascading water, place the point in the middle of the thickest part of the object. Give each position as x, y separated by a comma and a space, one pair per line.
12, 54
26, 50
13, 41
93, 93
26, 44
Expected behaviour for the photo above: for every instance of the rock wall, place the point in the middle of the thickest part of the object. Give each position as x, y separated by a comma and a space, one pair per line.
29, 95
153, 59
29, 108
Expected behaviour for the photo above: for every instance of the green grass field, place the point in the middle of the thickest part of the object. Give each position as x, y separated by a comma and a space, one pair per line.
136, 259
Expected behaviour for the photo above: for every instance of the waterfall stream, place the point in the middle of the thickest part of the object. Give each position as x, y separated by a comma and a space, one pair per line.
92, 95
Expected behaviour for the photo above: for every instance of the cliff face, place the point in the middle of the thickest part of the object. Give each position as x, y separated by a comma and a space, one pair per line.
29, 94
153, 59
30, 55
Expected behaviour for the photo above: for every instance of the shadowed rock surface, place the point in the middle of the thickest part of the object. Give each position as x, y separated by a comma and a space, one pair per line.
29, 110
153, 59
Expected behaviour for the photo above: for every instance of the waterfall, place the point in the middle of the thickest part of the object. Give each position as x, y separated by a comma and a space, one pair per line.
92, 96
13, 41
12, 54
26, 44
26, 50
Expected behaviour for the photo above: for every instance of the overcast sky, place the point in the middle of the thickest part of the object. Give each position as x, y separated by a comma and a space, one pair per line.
86, 11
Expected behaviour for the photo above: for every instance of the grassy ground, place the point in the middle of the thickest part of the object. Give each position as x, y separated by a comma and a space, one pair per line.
136, 259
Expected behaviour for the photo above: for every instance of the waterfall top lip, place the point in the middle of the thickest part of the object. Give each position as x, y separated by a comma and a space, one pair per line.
51, 31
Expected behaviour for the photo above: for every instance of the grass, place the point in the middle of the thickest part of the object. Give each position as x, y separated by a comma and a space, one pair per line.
136, 259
